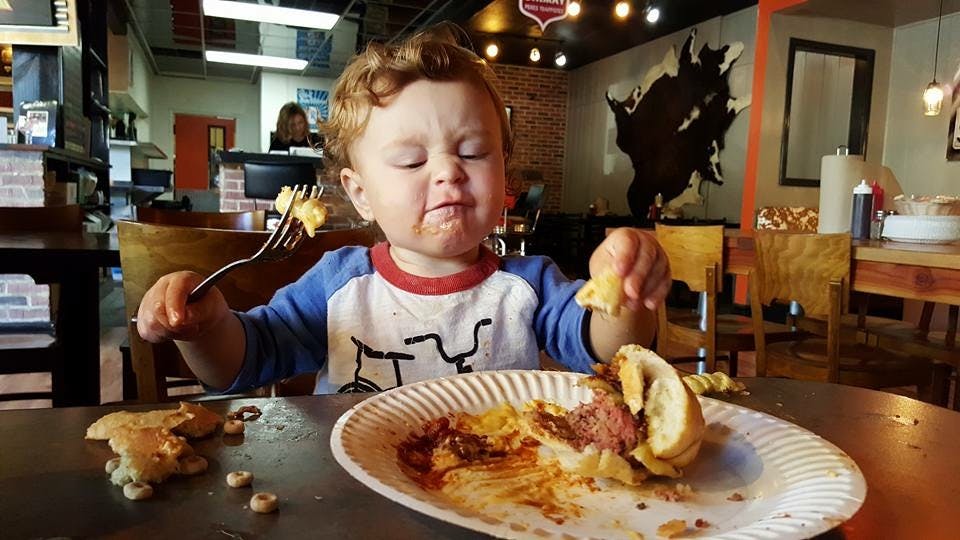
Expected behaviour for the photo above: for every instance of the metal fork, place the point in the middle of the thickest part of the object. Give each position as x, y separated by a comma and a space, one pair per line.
284, 241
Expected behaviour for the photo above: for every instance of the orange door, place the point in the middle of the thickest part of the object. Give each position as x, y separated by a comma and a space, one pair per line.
195, 140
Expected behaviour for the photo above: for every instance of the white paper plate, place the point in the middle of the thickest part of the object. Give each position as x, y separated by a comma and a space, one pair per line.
795, 484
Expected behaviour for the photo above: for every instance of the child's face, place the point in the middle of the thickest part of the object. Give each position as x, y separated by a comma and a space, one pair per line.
429, 168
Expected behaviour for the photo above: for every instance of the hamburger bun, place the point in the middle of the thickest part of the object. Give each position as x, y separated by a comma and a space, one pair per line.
674, 418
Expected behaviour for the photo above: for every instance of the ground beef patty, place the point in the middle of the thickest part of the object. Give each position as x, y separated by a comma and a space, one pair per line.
603, 423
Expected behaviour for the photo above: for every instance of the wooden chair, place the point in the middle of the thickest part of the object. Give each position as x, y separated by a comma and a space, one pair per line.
696, 259
814, 270
38, 352
254, 220
149, 251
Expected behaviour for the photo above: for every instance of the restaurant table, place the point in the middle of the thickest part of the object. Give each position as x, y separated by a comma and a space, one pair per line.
53, 482
74, 261
929, 272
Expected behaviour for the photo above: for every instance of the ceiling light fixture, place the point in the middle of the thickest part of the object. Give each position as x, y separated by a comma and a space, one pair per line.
560, 60
933, 95
492, 51
534, 54
301, 18
278, 62
652, 14
622, 9
573, 8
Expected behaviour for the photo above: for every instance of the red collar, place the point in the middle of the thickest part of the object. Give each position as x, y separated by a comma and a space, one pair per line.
461, 281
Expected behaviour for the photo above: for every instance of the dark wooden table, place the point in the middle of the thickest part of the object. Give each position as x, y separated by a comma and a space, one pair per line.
929, 272
54, 485
74, 261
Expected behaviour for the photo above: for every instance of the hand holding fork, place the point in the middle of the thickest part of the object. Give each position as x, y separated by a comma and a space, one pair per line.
163, 314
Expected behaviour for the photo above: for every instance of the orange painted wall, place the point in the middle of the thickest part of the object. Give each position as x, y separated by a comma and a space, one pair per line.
765, 9
190, 165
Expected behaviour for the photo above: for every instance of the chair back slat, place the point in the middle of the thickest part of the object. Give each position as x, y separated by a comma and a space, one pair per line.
254, 220
800, 267
149, 251
67, 218
691, 249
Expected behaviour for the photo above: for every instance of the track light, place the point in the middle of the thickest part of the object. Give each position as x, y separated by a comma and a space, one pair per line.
622, 9
534, 54
652, 14
560, 60
492, 51
573, 8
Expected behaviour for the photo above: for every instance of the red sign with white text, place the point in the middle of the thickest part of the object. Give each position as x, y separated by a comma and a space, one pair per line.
544, 11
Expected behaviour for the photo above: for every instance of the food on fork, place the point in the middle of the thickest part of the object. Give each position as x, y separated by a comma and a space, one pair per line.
643, 421
603, 293
311, 212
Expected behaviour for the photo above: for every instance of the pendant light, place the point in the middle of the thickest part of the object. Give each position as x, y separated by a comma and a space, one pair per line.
933, 95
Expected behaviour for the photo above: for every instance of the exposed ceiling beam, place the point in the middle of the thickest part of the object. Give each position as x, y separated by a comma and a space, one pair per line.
203, 40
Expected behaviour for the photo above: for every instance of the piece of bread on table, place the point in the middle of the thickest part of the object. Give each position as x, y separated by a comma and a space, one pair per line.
603, 293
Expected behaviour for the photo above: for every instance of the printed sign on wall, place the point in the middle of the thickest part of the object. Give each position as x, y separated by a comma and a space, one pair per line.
315, 103
544, 11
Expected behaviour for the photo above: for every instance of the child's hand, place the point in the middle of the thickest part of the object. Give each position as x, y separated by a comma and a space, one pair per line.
165, 315
637, 257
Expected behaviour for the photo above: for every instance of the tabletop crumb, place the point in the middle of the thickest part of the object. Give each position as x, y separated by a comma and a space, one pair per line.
318, 498
245, 507
779, 404
735, 497
209, 493
641, 506
701, 523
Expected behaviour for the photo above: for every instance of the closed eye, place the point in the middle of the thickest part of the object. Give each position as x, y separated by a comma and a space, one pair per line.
412, 166
473, 156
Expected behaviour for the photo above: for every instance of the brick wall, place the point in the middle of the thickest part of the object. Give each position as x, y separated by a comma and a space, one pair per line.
231, 191
21, 184
538, 99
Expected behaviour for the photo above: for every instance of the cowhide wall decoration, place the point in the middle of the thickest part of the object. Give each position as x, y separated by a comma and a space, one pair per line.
672, 126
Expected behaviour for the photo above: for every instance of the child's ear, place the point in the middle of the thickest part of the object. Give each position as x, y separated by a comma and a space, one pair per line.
353, 185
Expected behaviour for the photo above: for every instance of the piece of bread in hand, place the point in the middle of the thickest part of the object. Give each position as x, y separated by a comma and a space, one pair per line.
603, 293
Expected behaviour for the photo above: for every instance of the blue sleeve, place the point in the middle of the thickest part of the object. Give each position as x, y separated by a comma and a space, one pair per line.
561, 325
288, 336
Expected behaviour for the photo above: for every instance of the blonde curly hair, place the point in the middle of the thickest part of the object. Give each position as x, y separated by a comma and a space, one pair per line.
384, 70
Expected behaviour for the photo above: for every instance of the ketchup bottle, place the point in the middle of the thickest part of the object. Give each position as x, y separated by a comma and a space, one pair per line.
877, 199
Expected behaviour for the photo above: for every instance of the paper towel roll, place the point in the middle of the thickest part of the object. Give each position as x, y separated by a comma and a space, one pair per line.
838, 176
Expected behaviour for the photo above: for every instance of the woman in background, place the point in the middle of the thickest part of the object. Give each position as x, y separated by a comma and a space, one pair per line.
292, 130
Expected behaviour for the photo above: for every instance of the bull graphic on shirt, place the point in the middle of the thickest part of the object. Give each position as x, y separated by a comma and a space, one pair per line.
363, 384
